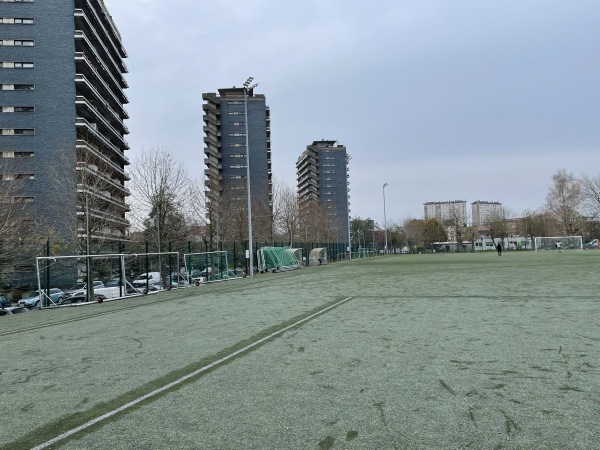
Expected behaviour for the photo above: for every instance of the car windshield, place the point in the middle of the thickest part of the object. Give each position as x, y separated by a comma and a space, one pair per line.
78, 286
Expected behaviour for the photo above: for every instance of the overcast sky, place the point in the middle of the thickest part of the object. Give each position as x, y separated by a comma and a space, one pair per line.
442, 99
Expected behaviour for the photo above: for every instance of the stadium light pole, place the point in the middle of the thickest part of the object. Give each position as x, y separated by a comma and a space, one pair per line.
247, 87
348, 158
384, 219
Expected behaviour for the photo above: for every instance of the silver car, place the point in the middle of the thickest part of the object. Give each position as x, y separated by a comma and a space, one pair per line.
56, 295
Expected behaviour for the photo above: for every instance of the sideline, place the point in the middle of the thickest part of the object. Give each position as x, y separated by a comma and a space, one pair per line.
182, 379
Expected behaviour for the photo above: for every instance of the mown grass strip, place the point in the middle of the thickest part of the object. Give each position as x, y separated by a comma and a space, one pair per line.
67, 427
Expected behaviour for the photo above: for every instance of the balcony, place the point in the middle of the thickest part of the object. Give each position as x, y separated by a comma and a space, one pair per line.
98, 117
80, 38
86, 87
83, 144
87, 66
81, 57
82, 20
93, 130
105, 178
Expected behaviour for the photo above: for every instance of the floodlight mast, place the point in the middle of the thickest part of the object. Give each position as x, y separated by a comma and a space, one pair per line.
247, 88
384, 219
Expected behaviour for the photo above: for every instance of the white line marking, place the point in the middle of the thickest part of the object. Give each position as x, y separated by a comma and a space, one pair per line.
179, 381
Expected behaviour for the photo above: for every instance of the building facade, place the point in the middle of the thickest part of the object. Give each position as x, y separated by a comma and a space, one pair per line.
450, 210
227, 129
482, 210
322, 173
62, 120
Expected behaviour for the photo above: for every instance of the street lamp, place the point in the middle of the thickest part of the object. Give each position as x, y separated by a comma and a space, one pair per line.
247, 87
384, 218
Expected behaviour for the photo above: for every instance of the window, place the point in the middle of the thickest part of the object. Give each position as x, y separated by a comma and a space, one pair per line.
235, 102
237, 145
236, 177
237, 155
23, 199
18, 87
17, 1
236, 113
16, 154
17, 20
17, 65
237, 166
237, 134
17, 176
9, 109
18, 131
19, 42
237, 123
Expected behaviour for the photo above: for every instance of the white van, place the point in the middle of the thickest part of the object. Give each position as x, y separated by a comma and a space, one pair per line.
152, 279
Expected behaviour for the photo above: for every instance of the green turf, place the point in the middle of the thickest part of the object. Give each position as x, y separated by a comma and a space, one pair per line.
433, 351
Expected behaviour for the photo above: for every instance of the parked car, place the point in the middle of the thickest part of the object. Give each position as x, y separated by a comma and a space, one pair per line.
116, 282
81, 298
81, 287
150, 279
12, 310
4, 302
56, 295
591, 244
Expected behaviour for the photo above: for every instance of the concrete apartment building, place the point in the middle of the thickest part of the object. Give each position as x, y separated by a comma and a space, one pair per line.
446, 210
62, 122
225, 128
482, 210
322, 178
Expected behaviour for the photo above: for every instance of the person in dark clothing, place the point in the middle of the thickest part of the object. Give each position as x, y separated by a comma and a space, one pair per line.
499, 248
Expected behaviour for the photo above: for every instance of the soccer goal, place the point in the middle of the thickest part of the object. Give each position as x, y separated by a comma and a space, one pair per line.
208, 266
558, 243
64, 279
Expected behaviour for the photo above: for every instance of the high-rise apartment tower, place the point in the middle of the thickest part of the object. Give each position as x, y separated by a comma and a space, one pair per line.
322, 180
227, 128
62, 122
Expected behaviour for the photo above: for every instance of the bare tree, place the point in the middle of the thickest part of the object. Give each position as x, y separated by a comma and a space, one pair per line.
20, 232
498, 225
532, 224
414, 229
286, 211
159, 188
563, 200
457, 222
590, 191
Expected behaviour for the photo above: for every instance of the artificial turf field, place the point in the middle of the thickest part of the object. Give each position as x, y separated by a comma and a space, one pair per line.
443, 351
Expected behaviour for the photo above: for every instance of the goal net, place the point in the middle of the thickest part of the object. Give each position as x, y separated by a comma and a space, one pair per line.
558, 243
278, 258
60, 278
206, 267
